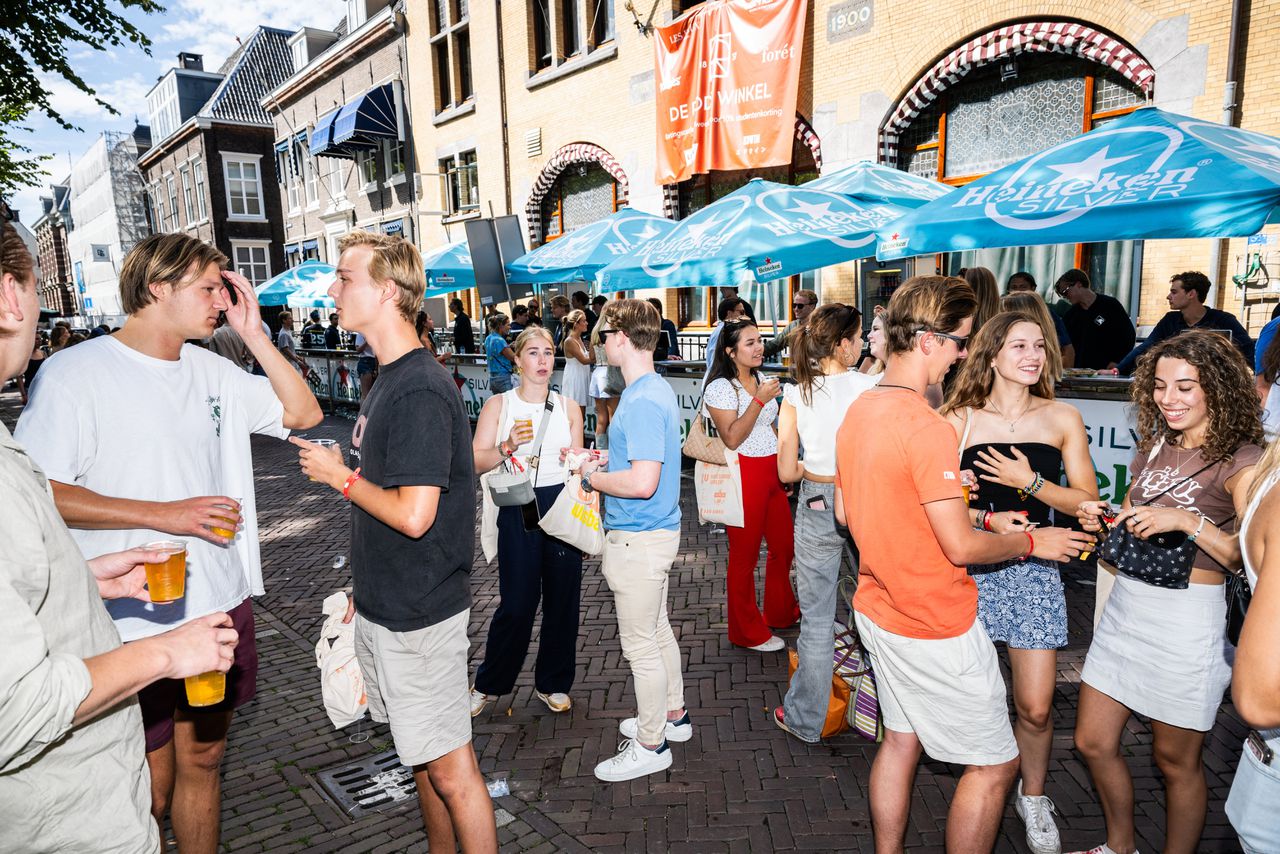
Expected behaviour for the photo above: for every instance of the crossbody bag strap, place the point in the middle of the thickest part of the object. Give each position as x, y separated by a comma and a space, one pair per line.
1179, 483
548, 408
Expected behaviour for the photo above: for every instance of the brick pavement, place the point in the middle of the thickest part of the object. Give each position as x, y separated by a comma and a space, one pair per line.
739, 785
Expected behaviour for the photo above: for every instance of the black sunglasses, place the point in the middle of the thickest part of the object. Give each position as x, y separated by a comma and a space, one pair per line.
605, 333
962, 342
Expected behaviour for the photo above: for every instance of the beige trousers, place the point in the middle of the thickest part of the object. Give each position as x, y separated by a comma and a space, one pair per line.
636, 564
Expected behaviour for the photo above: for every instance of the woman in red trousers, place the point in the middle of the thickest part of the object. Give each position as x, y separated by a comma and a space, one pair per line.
744, 405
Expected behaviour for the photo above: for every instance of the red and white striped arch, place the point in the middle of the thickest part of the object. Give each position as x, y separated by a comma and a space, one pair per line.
1064, 37
577, 152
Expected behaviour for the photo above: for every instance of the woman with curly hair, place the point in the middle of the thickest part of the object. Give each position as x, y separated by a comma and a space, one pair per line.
1018, 440
1159, 651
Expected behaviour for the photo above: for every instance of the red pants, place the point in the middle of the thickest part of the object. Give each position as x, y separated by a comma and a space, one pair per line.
767, 516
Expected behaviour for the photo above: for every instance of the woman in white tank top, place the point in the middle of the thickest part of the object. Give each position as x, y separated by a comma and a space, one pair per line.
1255, 791
824, 352
533, 568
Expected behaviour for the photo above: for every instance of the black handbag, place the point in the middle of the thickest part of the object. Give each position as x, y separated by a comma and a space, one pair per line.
1163, 560
1238, 598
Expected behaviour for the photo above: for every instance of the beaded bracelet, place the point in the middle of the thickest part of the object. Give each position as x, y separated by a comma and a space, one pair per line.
1032, 488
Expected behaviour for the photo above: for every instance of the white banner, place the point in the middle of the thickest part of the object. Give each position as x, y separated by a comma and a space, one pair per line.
1112, 443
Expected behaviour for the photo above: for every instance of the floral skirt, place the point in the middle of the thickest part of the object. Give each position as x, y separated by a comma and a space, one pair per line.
1022, 603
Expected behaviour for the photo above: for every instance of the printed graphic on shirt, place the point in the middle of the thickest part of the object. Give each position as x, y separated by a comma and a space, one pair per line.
357, 434
1099, 320
215, 413
948, 475
1154, 481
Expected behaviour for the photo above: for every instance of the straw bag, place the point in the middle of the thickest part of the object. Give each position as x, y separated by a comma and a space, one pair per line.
703, 442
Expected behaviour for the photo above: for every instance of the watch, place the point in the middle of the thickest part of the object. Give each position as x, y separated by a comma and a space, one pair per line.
585, 483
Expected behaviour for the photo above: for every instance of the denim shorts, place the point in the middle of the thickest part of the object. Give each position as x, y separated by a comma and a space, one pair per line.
1255, 795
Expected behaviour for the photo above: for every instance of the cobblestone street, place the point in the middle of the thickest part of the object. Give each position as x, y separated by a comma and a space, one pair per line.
740, 784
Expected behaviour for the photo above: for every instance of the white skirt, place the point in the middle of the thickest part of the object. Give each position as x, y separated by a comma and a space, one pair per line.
1162, 653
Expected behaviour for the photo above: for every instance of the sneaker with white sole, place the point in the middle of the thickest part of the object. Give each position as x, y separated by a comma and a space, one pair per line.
479, 701
557, 702
1104, 848
1036, 812
634, 760
681, 729
773, 644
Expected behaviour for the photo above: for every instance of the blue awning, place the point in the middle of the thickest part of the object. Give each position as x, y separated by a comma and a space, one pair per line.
321, 142
369, 119
396, 226
292, 250
308, 245
282, 145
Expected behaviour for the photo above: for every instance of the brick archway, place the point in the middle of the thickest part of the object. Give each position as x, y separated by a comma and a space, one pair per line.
577, 152
804, 133
1072, 39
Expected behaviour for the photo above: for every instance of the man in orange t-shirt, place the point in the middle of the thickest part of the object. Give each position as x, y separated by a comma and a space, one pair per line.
898, 490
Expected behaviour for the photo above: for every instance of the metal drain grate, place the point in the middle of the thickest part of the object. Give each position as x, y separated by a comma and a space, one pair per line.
376, 784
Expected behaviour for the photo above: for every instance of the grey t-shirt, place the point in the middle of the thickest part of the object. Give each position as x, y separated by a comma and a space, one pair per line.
412, 431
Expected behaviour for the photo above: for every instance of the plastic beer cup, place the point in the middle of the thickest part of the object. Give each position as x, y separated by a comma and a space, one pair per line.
324, 443
967, 480
167, 581
228, 532
207, 689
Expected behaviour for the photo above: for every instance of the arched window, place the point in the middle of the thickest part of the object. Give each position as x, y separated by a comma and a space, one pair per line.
1009, 109
583, 193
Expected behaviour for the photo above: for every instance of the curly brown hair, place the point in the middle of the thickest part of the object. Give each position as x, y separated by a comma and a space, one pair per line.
1235, 415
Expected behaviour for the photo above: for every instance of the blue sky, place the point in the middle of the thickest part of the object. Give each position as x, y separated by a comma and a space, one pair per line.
123, 76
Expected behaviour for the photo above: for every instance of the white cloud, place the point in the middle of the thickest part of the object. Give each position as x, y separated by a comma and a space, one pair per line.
126, 94
201, 26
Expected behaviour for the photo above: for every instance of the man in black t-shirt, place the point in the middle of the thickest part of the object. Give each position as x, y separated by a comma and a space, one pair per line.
412, 491
332, 334
1100, 328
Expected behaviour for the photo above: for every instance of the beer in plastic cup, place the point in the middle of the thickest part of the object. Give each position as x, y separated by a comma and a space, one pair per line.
526, 423
324, 443
207, 689
167, 581
230, 531
967, 480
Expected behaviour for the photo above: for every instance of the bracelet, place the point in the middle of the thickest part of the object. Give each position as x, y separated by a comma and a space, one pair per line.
502, 449
1032, 488
1031, 545
760, 402
350, 482
986, 520
1199, 528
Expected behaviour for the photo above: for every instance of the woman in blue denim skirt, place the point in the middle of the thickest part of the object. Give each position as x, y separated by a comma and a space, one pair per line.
824, 352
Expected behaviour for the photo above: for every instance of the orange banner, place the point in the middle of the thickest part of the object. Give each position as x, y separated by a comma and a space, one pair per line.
727, 74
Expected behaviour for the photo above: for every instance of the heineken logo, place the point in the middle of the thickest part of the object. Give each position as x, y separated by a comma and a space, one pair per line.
1089, 173
614, 236
769, 266
444, 279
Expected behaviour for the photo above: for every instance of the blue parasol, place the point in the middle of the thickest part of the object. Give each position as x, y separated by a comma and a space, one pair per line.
876, 183
1150, 174
449, 269
276, 290
764, 231
580, 254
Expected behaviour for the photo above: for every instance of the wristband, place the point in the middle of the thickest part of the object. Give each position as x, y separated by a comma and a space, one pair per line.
760, 402
1031, 545
350, 482
1199, 528
986, 520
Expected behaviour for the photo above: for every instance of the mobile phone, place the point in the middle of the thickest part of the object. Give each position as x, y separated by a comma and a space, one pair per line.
529, 515
231, 292
1258, 747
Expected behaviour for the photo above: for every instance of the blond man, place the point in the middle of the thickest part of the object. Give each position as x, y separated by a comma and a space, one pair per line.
145, 437
411, 484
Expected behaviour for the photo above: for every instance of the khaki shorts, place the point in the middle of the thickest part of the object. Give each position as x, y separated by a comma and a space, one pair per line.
948, 692
417, 681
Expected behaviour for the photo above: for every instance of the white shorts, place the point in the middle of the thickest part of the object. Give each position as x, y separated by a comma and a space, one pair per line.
599, 378
948, 692
417, 682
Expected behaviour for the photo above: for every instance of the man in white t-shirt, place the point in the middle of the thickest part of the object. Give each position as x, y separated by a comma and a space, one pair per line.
145, 438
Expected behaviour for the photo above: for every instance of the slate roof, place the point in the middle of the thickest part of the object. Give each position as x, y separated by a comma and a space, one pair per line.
259, 65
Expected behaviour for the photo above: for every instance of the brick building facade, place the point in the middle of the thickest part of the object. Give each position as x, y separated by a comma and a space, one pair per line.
211, 174
340, 138
56, 286
565, 128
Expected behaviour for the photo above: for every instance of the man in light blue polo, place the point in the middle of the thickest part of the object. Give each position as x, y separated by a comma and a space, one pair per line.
642, 519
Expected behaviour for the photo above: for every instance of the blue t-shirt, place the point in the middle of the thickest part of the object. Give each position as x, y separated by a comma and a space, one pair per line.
646, 427
499, 365
1264, 341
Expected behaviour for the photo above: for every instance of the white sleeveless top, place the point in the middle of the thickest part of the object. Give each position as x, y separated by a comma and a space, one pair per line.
550, 470
817, 422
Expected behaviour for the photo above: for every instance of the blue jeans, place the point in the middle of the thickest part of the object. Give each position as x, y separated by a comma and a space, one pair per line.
1251, 806
817, 563
499, 383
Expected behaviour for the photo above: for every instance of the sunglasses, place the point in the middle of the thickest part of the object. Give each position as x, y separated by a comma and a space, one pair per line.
605, 333
801, 304
962, 342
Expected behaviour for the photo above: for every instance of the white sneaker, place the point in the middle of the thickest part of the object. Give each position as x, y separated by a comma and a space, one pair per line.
680, 729
773, 644
1036, 812
634, 761
557, 702
479, 701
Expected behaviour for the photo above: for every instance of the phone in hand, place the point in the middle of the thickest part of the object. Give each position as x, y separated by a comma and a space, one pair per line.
231, 292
